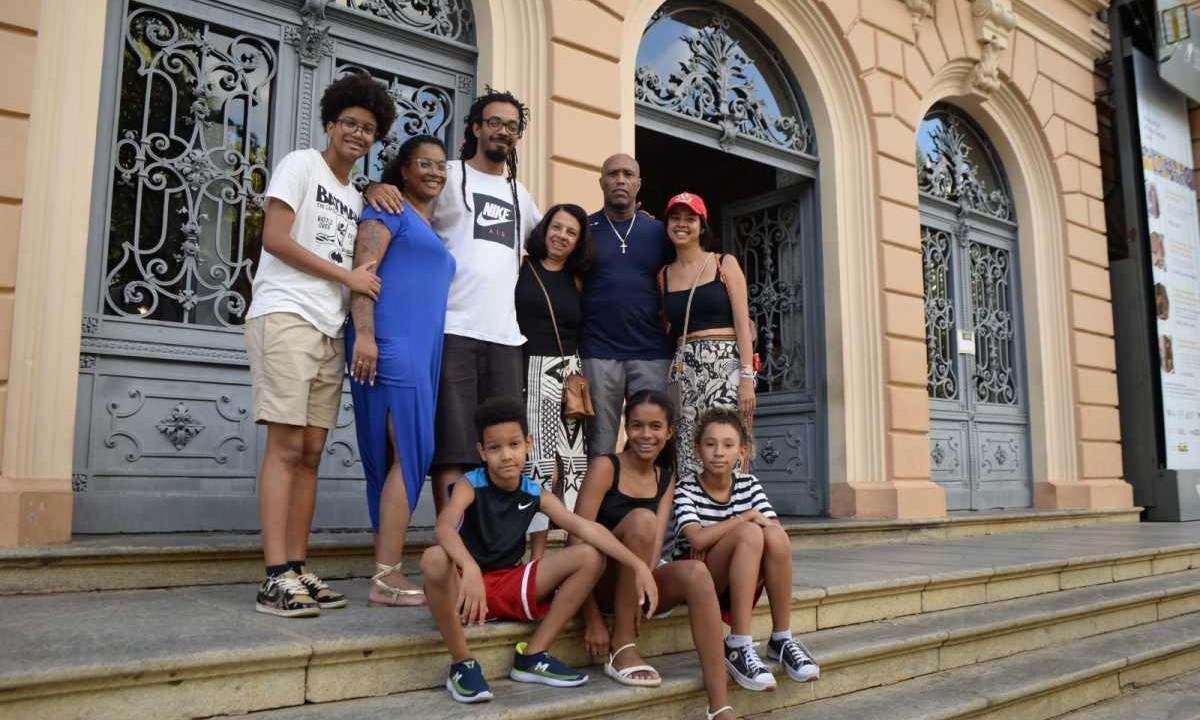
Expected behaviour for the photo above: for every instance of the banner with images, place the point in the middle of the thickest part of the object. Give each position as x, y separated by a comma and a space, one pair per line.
1172, 219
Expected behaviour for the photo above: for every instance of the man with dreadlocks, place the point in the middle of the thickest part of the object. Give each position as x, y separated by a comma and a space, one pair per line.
484, 216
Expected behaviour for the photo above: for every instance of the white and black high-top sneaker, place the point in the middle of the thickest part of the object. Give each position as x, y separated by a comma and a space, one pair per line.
284, 595
794, 658
747, 669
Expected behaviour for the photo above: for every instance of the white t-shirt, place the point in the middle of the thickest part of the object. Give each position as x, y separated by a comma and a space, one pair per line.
487, 249
326, 223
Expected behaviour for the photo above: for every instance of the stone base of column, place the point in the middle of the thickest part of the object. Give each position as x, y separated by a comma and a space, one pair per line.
889, 500
35, 512
1082, 494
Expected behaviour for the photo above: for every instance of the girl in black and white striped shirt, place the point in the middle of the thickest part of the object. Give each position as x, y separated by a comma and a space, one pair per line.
725, 519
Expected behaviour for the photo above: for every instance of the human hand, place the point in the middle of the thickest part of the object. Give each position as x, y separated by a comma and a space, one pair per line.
364, 281
596, 638
647, 589
471, 603
747, 400
365, 361
384, 197
757, 518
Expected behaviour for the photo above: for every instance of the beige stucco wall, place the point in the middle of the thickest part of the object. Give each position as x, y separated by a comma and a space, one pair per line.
869, 73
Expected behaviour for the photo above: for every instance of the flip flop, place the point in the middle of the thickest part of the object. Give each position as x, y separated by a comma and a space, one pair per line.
712, 715
397, 597
624, 676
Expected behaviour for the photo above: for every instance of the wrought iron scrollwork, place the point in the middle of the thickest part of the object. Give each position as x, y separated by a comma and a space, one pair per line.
450, 19
718, 83
190, 170
941, 353
765, 240
948, 171
992, 302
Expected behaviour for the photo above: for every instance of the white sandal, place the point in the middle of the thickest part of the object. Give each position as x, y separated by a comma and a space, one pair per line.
625, 675
713, 715
394, 594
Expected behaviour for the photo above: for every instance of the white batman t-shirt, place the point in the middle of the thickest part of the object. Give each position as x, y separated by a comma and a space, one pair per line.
480, 231
326, 224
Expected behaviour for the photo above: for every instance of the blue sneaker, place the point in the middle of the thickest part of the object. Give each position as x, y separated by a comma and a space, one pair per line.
466, 683
543, 668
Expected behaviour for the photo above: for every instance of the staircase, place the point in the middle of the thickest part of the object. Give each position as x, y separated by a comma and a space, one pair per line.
1030, 624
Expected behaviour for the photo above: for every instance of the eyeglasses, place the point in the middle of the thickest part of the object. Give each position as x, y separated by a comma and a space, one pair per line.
427, 164
352, 126
496, 122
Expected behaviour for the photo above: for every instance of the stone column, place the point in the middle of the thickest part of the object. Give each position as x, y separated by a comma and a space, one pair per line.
39, 421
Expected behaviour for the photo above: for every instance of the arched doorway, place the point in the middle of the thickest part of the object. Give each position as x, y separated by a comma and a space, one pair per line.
979, 410
200, 100
720, 114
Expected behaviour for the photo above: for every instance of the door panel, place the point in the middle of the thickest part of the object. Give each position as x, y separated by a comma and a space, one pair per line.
200, 99
775, 238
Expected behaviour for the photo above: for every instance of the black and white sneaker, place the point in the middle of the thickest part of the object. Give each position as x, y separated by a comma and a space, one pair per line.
284, 595
747, 669
794, 658
327, 598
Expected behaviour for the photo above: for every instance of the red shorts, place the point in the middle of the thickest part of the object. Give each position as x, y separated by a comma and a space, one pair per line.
512, 593
723, 599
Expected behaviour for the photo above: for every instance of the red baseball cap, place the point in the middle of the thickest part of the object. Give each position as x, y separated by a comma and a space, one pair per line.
693, 201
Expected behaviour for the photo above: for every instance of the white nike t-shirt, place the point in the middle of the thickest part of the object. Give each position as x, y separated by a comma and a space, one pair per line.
326, 224
482, 235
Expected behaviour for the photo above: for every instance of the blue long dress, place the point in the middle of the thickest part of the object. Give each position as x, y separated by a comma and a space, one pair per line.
409, 318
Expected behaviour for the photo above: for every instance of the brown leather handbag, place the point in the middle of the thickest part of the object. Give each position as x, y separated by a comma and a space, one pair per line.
577, 392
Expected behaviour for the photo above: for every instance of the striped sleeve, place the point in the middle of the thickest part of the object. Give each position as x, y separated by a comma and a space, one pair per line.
684, 505
759, 498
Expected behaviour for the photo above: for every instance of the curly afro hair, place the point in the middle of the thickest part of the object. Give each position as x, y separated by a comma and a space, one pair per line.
358, 89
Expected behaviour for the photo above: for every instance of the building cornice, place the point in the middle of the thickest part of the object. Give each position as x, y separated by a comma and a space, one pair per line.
1083, 49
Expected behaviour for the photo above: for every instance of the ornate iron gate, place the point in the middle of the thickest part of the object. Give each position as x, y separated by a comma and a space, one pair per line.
201, 98
979, 426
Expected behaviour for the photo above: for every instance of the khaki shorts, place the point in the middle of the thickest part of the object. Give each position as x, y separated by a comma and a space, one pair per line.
295, 370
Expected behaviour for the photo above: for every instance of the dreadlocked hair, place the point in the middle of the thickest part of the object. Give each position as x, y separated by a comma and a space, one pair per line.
470, 144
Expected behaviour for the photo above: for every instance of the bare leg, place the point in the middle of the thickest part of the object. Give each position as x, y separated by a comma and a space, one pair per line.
734, 563
777, 572
443, 476
394, 516
304, 493
573, 573
690, 582
441, 587
636, 532
285, 448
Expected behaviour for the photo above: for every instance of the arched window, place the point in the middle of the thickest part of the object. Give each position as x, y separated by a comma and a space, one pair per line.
955, 163
702, 61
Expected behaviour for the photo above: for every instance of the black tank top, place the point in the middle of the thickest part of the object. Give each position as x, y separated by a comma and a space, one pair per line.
711, 307
616, 504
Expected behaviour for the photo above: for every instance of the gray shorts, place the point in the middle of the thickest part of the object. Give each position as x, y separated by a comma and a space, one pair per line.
612, 381
472, 371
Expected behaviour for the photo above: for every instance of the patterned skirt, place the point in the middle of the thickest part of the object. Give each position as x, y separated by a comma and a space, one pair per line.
709, 378
558, 443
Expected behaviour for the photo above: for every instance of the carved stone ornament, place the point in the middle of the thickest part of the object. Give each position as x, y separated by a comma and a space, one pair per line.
311, 39
994, 21
919, 9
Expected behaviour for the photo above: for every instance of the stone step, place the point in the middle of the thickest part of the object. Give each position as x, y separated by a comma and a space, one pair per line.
1030, 686
1175, 699
125, 562
203, 651
1034, 685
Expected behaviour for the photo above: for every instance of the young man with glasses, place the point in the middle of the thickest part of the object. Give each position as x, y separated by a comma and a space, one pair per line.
484, 215
294, 327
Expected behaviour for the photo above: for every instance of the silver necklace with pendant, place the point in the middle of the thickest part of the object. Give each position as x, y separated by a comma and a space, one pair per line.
622, 238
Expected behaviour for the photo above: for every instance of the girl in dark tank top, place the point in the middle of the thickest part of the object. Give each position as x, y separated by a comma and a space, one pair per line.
630, 493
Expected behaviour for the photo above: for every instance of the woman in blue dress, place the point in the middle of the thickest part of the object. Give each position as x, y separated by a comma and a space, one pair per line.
395, 350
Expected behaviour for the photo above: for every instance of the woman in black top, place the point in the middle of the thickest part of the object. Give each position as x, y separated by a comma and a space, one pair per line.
630, 493
548, 311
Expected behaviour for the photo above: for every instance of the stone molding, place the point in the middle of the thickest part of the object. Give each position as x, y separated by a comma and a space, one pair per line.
35, 478
920, 10
994, 21
1033, 18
